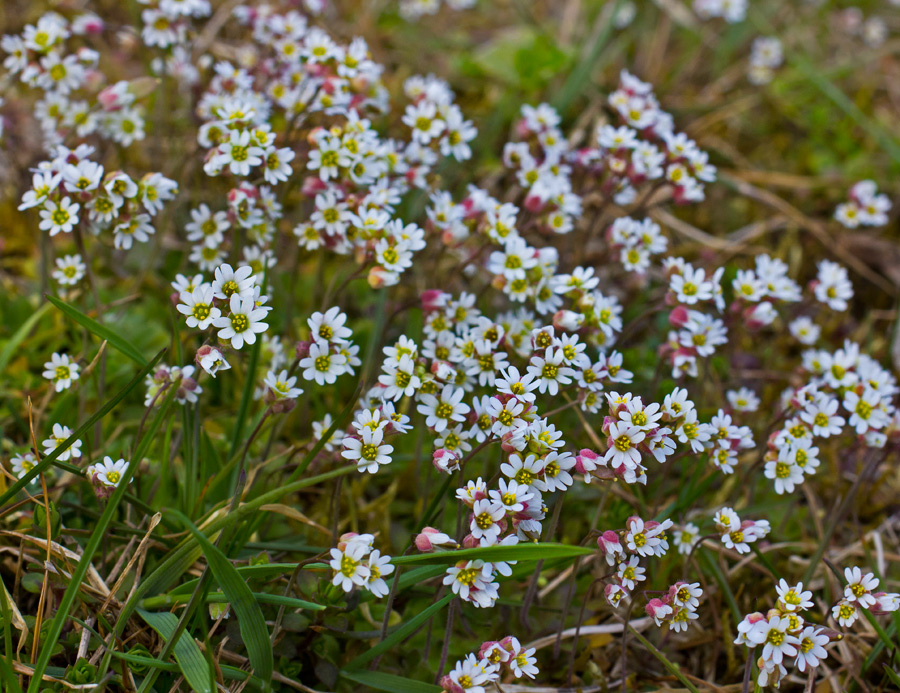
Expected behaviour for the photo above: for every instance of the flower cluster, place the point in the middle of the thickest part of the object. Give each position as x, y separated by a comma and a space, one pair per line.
479, 673
357, 564
70, 180
844, 388
187, 390
625, 548
866, 206
330, 351
737, 534
788, 640
859, 593
231, 303
677, 607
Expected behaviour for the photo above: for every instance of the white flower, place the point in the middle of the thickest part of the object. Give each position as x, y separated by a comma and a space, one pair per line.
368, 450
859, 587
811, 649
228, 282
212, 362
485, 517
61, 371
329, 326
59, 216
321, 365
440, 411
60, 434
845, 613
773, 635
549, 371
522, 661
198, 306
69, 270
108, 473
793, 598
22, 464
282, 386
244, 323
348, 566
623, 442
378, 566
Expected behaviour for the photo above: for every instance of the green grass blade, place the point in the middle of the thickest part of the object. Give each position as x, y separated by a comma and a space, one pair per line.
250, 617
99, 533
519, 552
575, 84
246, 398
399, 634
389, 682
10, 347
114, 339
47, 460
666, 662
8, 677
187, 653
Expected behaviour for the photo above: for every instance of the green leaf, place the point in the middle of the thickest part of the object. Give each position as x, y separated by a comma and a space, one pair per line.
97, 536
10, 347
114, 339
398, 635
187, 653
47, 460
519, 552
892, 675
250, 616
389, 682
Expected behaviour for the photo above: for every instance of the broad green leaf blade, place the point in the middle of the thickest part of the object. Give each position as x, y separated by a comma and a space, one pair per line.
249, 614
113, 338
10, 347
47, 460
98, 535
398, 635
187, 653
519, 552
389, 682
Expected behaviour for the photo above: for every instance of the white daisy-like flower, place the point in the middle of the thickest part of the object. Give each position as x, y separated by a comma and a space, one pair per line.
244, 323
322, 365
109, 473
368, 450
61, 371
61, 434
199, 307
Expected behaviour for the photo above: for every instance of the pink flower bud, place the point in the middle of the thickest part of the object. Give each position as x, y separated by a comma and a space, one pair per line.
609, 543
445, 460
568, 321
587, 461
433, 299
678, 317
430, 537
302, 349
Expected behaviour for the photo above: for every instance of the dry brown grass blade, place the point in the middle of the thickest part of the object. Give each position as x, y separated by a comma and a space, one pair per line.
141, 549
294, 514
692, 232
638, 624
95, 582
